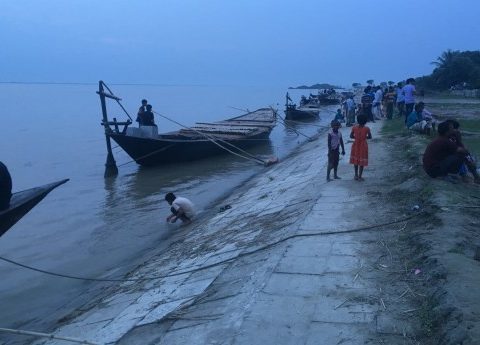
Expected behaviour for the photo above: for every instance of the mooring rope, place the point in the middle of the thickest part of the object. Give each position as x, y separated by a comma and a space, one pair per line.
47, 335
214, 140
272, 244
283, 122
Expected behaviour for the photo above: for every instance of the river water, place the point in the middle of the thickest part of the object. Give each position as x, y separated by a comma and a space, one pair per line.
94, 227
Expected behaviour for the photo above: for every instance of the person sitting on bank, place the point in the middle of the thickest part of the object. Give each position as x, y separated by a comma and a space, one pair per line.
182, 209
456, 137
416, 121
443, 156
5, 187
141, 111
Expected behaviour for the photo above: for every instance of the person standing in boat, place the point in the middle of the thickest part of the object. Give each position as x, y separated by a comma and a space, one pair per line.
141, 111
182, 209
147, 117
5, 187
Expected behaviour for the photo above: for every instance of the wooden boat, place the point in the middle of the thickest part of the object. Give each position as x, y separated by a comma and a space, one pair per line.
202, 140
329, 98
22, 202
305, 112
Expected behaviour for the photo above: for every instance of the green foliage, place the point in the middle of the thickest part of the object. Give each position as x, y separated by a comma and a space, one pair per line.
453, 68
370, 82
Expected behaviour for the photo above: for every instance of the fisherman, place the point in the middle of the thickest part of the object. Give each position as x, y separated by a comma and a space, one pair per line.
141, 111
5, 187
147, 117
182, 209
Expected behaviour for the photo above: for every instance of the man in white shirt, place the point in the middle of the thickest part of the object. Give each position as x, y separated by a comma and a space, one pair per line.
350, 105
409, 93
377, 103
182, 209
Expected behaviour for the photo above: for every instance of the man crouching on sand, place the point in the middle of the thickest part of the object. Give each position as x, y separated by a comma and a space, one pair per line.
182, 209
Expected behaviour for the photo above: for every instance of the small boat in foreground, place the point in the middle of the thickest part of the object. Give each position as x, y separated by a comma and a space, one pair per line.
204, 139
22, 202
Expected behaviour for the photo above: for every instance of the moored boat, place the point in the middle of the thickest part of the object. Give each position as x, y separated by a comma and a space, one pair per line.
306, 111
147, 147
22, 202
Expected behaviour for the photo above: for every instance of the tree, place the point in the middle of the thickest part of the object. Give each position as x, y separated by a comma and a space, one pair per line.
453, 68
355, 85
390, 83
445, 60
370, 82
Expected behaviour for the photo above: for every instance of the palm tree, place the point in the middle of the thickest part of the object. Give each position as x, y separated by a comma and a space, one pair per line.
446, 58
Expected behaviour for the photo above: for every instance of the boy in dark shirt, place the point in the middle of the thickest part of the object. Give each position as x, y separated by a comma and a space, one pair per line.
443, 156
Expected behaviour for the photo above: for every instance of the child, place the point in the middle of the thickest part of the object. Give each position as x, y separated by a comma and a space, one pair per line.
339, 116
334, 142
359, 153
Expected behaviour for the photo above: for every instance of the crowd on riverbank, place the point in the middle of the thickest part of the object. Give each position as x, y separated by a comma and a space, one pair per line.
445, 157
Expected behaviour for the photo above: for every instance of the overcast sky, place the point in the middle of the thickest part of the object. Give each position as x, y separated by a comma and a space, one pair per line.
226, 42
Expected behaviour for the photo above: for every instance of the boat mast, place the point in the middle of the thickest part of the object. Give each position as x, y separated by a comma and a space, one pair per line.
110, 165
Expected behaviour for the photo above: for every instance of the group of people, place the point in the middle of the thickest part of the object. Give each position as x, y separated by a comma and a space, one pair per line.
145, 114
377, 102
444, 156
359, 150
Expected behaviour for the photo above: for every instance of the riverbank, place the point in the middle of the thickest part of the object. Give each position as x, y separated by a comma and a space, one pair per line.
446, 242
294, 258
299, 260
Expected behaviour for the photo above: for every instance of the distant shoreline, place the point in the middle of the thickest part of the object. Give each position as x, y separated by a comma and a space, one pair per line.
315, 87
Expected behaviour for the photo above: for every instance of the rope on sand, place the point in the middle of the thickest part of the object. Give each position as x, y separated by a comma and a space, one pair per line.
301, 235
47, 335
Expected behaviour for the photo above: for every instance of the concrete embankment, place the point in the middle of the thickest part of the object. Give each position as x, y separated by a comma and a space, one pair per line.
295, 260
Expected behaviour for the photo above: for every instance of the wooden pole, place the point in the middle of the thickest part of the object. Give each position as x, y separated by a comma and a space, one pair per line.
110, 165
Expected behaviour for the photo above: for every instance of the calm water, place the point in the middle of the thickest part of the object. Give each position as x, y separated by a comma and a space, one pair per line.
95, 227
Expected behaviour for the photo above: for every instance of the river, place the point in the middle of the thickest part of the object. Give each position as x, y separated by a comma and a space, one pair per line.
93, 227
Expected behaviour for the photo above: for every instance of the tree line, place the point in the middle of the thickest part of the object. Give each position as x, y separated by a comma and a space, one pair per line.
453, 69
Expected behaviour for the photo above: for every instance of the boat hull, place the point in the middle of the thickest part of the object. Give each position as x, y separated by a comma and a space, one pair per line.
296, 114
199, 141
172, 149
22, 202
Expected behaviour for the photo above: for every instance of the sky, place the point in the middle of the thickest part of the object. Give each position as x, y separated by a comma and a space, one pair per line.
226, 42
